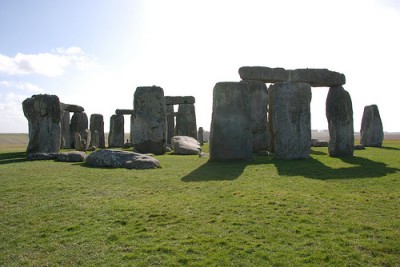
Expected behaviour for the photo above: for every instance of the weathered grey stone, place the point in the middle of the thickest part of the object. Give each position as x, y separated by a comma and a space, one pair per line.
371, 133
185, 145
317, 143
149, 120
200, 136
66, 138
41, 156
116, 135
230, 136
186, 121
177, 100
121, 159
265, 74
73, 156
79, 124
317, 77
170, 122
339, 112
43, 113
94, 139
124, 111
289, 120
258, 94
72, 108
81, 143
97, 124
359, 147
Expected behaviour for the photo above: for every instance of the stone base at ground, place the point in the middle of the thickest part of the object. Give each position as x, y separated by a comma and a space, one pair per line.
121, 159
73, 156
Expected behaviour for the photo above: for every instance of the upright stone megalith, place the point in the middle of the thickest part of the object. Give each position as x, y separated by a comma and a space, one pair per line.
290, 120
116, 135
371, 133
149, 120
230, 134
79, 124
200, 136
339, 112
258, 97
66, 138
97, 124
186, 121
44, 118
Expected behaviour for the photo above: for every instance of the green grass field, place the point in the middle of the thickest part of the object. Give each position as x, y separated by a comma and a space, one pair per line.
318, 212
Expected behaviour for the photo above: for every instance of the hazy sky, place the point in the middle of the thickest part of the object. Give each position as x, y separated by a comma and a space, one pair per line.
94, 53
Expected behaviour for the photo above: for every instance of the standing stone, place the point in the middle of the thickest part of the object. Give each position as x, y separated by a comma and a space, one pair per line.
66, 138
371, 133
79, 124
44, 119
170, 122
290, 120
149, 120
116, 135
186, 121
200, 136
258, 114
339, 112
97, 124
230, 136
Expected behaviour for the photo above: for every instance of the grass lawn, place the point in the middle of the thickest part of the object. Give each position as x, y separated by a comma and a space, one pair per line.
318, 212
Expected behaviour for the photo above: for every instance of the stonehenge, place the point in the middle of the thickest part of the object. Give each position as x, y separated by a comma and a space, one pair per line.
267, 110
185, 117
286, 131
371, 133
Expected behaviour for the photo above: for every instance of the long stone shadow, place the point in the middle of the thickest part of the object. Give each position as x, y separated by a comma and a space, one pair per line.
314, 169
12, 157
221, 170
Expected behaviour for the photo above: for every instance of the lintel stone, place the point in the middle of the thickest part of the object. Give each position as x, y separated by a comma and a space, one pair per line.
177, 100
124, 111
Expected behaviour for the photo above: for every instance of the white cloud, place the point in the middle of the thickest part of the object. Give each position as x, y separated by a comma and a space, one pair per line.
46, 64
23, 86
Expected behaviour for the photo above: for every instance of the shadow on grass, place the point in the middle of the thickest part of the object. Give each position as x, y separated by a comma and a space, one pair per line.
390, 148
222, 170
12, 157
314, 169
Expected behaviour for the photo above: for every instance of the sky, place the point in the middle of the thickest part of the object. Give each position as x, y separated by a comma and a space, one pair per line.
95, 53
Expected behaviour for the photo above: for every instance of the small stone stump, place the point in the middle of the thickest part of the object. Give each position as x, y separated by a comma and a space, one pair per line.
230, 134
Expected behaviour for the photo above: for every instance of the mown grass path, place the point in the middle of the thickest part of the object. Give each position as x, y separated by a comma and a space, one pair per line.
318, 212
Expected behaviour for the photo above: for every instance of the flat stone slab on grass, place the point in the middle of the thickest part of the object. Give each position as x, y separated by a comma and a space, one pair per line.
121, 159
73, 156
